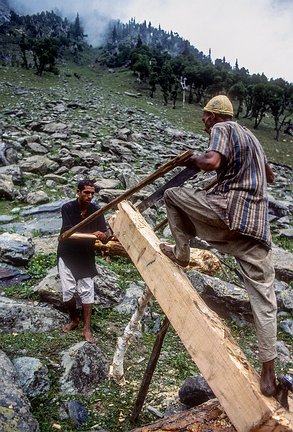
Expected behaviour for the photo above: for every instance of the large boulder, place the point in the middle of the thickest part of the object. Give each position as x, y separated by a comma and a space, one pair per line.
283, 264
15, 249
226, 299
107, 290
15, 414
40, 165
21, 317
32, 376
85, 367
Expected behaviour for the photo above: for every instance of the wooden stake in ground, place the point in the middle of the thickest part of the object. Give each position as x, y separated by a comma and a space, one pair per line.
147, 377
204, 335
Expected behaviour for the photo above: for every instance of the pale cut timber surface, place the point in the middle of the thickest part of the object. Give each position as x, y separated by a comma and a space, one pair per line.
206, 417
201, 260
204, 335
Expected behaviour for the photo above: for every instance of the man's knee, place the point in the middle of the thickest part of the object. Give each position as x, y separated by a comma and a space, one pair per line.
170, 195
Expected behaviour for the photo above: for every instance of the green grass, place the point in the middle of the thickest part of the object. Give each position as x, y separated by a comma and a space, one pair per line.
189, 117
110, 406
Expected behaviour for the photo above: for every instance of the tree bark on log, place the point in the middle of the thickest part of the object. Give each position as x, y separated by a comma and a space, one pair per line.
209, 416
201, 260
117, 368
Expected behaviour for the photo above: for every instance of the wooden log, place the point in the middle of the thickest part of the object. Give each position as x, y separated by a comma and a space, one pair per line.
201, 260
112, 248
207, 339
164, 169
209, 416
117, 367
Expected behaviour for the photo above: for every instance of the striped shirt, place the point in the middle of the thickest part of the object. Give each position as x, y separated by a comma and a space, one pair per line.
240, 197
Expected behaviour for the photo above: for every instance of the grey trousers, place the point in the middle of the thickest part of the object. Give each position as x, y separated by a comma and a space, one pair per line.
190, 215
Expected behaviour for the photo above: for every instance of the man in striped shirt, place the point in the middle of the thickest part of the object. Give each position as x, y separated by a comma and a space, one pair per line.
232, 217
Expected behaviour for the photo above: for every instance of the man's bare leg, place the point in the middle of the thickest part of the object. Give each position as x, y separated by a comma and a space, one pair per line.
87, 313
268, 384
73, 315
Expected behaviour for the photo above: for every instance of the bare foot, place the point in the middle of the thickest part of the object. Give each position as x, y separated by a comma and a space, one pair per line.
70, 326
88, 336
268, 385
169, 252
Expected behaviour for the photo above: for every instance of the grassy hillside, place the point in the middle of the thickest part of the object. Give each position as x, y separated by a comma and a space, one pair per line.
118, 82
111, 405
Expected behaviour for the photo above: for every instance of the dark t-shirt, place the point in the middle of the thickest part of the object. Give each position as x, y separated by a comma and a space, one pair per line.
79, 255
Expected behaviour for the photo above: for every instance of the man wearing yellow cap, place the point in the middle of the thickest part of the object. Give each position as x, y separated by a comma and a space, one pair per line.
232, 217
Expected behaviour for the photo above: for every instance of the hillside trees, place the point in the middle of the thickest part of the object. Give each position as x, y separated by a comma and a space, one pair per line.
280, 101
41, 37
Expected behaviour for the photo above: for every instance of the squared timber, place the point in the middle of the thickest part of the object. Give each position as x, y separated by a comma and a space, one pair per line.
205, 336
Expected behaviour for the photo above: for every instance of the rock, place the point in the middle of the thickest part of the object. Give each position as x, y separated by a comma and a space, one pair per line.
40, 165
284, 354
286, 233
49, 289
37, 197
287, 326
56, 178
226, 299
105, 183
21, 317
37, 148
284, 294
6, 218
42, 226
134, 95
51, 207
278, 208
84, 368
283, 264
15, 249
13, 171
8, 154
32, 376
195, 391
129, 302
15, 414
74, 411
7, 190
10, 276
107, 290
53, 127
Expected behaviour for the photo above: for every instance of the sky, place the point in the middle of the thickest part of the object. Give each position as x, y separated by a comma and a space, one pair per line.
258, 33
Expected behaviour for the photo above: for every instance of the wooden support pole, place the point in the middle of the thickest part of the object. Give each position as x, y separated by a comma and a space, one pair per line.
147, 377
206, 337
164, 169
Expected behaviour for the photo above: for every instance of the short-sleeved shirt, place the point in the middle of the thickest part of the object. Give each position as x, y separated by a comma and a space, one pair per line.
240, 197
79, 255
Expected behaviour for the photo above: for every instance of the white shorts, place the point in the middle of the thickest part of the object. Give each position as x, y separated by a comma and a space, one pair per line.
83, 287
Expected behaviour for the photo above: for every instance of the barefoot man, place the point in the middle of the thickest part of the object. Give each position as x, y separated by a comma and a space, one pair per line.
232, 217
76, 257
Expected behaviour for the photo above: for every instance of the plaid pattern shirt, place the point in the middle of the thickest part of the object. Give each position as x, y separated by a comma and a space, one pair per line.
240, 197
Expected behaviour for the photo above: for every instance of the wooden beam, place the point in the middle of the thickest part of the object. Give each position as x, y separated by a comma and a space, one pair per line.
205, 336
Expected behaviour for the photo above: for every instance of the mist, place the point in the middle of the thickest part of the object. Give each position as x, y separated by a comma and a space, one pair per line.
94, 14
258, 33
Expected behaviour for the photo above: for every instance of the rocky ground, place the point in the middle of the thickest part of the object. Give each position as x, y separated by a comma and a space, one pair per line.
51, 136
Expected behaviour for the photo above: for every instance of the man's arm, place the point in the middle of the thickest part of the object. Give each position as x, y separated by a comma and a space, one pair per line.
210, 161
269, 173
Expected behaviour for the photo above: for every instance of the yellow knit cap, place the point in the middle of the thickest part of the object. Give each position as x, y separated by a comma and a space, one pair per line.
219, 105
